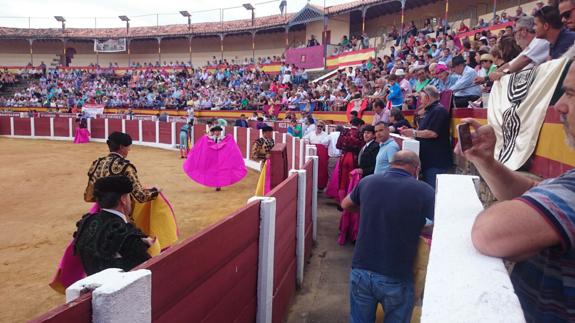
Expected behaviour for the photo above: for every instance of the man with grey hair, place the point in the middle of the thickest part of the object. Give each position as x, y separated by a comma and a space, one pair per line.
393, 207
433, 136
533, 223
535, 50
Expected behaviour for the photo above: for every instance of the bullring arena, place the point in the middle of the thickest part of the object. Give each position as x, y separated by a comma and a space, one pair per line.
42, 191
239, 257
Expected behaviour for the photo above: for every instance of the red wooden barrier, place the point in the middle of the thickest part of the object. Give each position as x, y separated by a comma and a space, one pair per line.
62, 127
242, 141
148, 131
284, 250
77, 311
4, 125
209, 277
229, 131
308, 225
97, 129
278, 158
22, 127
132, 128
42, 127
166, 133
199, 132
114, 125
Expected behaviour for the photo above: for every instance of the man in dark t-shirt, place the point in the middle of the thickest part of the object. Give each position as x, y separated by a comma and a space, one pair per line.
433, 136
393, 207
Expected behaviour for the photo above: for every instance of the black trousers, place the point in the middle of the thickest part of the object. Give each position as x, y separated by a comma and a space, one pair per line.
463, 101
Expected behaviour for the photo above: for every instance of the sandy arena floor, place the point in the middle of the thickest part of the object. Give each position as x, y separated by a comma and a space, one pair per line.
43, 184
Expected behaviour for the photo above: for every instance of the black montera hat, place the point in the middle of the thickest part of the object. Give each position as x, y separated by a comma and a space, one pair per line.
113, 184
267, 129
120, 138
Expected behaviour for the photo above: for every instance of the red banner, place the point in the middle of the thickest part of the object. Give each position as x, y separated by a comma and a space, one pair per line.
358, 105
308, 57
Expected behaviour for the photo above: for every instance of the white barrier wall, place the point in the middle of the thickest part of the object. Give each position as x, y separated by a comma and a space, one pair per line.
463, 285
159, 138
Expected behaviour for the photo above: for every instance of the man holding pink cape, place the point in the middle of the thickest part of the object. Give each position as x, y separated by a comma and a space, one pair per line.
146, 202
215, 161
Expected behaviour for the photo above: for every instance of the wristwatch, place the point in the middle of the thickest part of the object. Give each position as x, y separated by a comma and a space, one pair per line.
414, 133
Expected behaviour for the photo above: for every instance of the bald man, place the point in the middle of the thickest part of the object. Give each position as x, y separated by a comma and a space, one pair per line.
393, 207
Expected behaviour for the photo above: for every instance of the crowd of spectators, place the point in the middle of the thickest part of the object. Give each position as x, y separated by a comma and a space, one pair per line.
466, 66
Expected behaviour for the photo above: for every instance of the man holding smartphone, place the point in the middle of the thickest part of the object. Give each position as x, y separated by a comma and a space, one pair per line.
533, 223
433, 136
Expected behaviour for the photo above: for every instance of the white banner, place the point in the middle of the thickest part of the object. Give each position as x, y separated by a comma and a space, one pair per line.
110, 45
517, 107
92, 110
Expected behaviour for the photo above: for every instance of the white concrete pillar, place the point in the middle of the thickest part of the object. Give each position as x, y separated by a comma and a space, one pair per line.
236, 134
11, 126
407, 143
261, 134
284, 138
90, 125
174, 131
71, 127
32, 130
310, 150
273, 136
248, 142
267, 237
106, 134
117, 296
52, 127
157, 132
293, 165
300, 225
140, 131
124, 125
463, 285
315, 161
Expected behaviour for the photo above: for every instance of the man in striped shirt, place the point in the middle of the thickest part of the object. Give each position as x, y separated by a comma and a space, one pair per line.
533, 224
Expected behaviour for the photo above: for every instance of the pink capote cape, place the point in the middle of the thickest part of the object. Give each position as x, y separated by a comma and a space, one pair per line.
82, 136
322, 160
349, 222
155, 218
215, 165
333, 184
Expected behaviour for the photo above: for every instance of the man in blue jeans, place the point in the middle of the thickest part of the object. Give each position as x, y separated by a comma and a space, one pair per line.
393, 208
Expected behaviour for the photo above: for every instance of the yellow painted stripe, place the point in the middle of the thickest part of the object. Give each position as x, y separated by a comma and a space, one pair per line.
552, 145
335, 61
356, 57
271, 68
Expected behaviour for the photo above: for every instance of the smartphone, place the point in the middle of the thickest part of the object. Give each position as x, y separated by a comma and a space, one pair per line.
464, 134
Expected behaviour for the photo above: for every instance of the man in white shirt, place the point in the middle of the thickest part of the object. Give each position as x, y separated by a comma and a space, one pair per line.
319, 136
535, 50
332, 151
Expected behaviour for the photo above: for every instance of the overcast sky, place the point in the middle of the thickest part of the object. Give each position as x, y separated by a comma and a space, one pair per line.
104, 13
